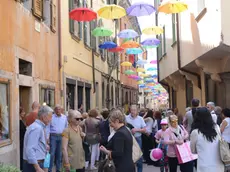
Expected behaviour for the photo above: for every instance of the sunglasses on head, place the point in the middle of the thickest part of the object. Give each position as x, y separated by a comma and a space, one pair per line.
79, 119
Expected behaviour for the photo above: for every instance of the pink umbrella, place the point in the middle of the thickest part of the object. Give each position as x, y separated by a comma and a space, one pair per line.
133, 76
153, 62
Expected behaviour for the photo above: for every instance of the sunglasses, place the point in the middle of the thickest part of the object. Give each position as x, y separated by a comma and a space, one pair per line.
79, 119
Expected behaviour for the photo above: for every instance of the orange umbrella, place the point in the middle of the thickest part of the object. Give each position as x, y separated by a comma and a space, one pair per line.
130, 44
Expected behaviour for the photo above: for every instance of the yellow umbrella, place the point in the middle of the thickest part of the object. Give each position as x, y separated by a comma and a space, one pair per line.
111, 12
127, 64
173, 6
140, 82
130, 44
140, 70
155, 30
144, 75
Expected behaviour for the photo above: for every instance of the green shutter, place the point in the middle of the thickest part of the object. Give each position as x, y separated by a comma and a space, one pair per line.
164, 39
160, 48
79, 24
173, 28
71, 22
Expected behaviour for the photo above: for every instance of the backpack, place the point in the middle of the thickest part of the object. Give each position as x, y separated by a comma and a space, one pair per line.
104, 131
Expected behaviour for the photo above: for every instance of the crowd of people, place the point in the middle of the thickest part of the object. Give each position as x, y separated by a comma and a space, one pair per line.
78, 140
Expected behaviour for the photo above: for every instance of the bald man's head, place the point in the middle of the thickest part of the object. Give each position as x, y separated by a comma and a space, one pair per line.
35, 106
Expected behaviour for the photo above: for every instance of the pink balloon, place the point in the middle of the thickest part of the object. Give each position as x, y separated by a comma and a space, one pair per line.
156, 154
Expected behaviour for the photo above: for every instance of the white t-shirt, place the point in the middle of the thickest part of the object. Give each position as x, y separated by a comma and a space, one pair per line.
137, 122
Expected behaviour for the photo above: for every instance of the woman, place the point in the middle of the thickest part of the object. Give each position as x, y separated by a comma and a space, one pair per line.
93, 136
218, 112
73, 152
147, 138
205, 142
22, 133
120, 146
176, 135
225, 125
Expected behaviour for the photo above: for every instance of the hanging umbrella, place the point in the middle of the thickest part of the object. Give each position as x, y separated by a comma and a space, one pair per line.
126, 39
141, 62
128, 33
140, 9
150, 46
130, 44
151, 41
129, 72
173, 6
133, 76
107, 45
140, 69
82, 14
140, 82
127, 64
111, 12
116, 49
155, 30
144, 75
153, 62
101, 31
151, 69
134, 51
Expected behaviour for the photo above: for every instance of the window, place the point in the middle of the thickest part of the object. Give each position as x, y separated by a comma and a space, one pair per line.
25, 67
70, 96
94, 40
4, 112
159, 48
163, 42
87, 29
112, 102
97, 95
87, 98
53, 15
173, 28
103, 93
80, 95
47, 95
189, 92
74, 26
38, 8
27, 4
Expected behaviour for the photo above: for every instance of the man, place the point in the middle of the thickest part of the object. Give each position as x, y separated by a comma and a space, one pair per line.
211, 108
35, 143
32, 116
188, 119
139, 127
54, 132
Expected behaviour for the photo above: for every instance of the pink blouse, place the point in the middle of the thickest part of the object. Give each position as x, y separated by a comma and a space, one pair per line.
170, 137
160, 134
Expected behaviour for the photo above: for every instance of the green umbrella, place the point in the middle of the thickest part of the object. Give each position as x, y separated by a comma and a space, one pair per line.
150, 46
129, 72
101, 31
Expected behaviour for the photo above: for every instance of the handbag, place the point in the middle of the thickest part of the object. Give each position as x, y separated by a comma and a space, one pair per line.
184, 153
224, 149
46, 163
106, 166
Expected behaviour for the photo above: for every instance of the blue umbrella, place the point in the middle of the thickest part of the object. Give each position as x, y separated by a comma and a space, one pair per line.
134, 51
154, 76
151, 41
140, 9
107, 45
141, 62
128, 33
151, 69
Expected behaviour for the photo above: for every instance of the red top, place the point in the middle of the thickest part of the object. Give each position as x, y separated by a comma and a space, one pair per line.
31, 118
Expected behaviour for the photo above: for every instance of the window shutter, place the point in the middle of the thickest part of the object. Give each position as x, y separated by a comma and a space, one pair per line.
79, 24
38, 8
53, 15
93, 38
71, 22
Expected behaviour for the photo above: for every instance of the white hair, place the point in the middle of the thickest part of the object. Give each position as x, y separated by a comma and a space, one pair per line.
44, 110
212, 104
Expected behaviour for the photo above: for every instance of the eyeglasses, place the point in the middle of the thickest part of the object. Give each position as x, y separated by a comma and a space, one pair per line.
79, 119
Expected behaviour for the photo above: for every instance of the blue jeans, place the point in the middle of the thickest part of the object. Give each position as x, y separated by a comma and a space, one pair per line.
140, 161
30, 167
55, 152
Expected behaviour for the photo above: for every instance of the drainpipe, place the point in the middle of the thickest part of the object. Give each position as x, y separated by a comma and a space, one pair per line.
60, 52
179, 54
93, 70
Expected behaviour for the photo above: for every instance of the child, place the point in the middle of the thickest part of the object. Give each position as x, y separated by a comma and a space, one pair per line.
159, 139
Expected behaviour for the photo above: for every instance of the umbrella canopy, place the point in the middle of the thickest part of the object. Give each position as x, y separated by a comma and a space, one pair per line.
140, 9
128, 33
141, 62
144, 75
140, 82
101, 31
107, 45
133, 76
127, 64
153, 62
130, 44
151, 69
134, 51
129, 72
155, 30
173, 6
151, 41
116, 49
111, 12
150, 46
82, 14
140, 69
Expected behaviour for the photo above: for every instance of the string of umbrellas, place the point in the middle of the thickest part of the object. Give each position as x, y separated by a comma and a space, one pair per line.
146, 78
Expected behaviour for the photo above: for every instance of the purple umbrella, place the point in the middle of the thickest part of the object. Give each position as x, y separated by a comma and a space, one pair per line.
128, 33
140, 9
151, 41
